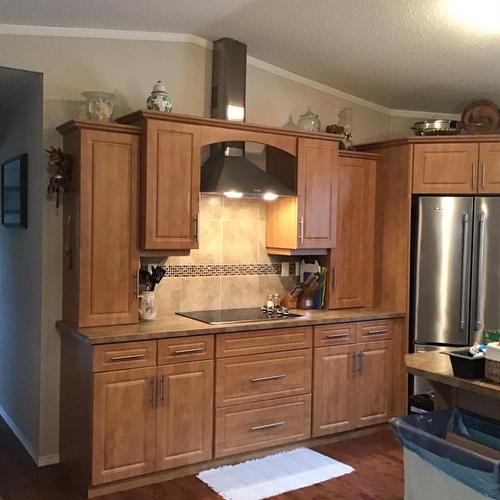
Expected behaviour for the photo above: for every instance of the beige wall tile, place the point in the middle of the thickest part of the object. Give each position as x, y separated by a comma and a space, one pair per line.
240, 291
272, 283
264, 257
240, 241
200, 293
210, 207
239, 209
210, 249
168, 296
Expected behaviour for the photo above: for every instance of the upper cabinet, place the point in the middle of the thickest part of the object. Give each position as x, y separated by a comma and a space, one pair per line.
100, 224
170, 186
352, 261
456, 168
309, 220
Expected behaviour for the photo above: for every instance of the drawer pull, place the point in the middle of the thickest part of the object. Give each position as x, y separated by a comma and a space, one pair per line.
378, 332
191, 350
271, 377
337, 335
267, 426
127, 357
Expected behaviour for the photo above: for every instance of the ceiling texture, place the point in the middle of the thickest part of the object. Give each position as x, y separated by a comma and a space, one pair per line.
401, 54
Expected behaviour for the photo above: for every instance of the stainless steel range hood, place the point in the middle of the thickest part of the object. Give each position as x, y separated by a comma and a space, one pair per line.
227, 170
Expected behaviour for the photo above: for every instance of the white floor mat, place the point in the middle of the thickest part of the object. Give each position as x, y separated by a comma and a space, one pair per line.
272, 475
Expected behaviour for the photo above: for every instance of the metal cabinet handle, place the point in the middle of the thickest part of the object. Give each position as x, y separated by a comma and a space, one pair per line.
135, 278
267, 426
196, 226
380, 331
483, 175
162, 390
127, 357
361, 362
191, 350
271, 377
354, 357
474, 175
480, 272
301, 229
152, 392
465, 237
337, 335
334, 278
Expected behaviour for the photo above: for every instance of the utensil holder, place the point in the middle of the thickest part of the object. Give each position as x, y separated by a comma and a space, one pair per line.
147, 306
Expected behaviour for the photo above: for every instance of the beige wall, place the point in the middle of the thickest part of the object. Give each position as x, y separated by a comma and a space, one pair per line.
21, 267
129, 69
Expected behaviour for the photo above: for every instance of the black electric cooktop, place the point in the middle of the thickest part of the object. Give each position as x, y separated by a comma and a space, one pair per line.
223, 316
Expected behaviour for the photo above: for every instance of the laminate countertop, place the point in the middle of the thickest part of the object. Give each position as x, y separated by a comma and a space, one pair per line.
436, 367
173, 326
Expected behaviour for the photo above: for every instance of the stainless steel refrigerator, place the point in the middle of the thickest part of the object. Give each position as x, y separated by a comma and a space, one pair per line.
456, 273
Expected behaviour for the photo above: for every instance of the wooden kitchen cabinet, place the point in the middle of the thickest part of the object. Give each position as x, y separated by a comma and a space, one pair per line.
489, 168
445, 168
373, 383
123, 430
170, 186
352, 384
100, 224
334, 397
309, 220
351, 263
185, 414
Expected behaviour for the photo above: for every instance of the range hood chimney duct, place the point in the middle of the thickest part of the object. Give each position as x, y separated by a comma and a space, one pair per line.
227, 170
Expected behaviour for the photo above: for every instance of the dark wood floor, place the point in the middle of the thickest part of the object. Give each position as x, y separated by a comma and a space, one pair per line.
376, 458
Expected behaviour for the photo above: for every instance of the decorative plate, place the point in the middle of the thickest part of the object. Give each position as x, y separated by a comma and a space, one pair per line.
481, 117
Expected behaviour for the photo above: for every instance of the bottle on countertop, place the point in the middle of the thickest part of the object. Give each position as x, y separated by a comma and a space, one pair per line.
276, 300
269, 303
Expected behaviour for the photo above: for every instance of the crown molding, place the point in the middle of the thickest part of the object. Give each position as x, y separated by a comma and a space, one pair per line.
55, 31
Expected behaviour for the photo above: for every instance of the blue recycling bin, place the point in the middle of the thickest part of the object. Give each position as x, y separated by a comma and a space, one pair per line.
425, 436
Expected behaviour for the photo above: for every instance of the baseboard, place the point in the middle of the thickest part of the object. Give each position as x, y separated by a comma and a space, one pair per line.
19, 434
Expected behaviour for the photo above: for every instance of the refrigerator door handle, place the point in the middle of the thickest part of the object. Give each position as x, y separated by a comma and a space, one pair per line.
464, 271
480, 272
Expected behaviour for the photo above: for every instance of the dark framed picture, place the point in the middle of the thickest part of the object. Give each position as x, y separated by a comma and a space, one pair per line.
15, 192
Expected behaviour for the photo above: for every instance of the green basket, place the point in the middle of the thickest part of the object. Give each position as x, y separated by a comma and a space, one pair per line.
491, 336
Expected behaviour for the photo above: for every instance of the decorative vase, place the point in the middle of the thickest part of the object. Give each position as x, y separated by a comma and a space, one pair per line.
99, 105
309, 121
147, 306
159, 100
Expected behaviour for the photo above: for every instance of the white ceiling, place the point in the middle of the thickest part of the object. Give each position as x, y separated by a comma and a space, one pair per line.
403, 54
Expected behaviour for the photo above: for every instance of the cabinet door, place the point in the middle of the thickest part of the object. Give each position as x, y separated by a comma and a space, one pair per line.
373, 383
445, 168
316, 193
185, 414
334, 401
171, 186
489, 167
123, 432
108, 228
351, 262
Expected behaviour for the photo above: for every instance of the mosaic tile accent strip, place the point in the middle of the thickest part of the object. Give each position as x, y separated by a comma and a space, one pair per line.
191, 271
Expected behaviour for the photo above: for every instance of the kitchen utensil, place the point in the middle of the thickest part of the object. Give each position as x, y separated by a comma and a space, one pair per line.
481, 117
157, 274
437, 127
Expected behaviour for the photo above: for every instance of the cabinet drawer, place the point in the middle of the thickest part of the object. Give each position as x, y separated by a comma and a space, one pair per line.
262, 341
259, 425
263, 376
185, 349
109, 357
374, 330
328, 335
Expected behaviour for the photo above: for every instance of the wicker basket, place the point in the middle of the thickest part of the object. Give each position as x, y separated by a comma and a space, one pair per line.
492, 371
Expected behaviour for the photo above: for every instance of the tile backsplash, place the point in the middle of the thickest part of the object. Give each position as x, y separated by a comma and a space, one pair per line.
231, 267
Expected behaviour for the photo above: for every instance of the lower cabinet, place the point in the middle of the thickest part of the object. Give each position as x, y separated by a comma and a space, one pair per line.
124, 418
352, 386
151, 419
185, 414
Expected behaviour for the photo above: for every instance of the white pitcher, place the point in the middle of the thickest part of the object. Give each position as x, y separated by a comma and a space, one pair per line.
147, 306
